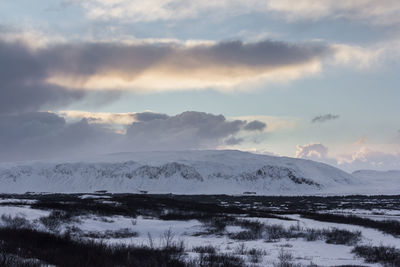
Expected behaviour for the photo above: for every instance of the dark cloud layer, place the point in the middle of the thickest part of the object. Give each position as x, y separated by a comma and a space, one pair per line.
31, 78
149, 116
324, 118
40, 135
255, 126
22, 86
187, 130
91, 58
231, 141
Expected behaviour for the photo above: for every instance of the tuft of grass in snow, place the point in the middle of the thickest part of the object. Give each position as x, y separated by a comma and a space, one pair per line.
63, 251
342, 237
9, 260
55, 219
389, 256
15, 222
255, 255
273, 232
286, 259
387, 226
121, 233
205, 249
220, 260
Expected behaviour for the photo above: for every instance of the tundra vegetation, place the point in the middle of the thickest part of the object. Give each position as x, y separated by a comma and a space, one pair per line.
57, 237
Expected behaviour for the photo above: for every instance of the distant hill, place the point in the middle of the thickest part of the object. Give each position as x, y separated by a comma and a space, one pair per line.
379, 182
182, 172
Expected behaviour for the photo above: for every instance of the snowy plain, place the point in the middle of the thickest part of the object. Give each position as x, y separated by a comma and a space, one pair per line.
192, 233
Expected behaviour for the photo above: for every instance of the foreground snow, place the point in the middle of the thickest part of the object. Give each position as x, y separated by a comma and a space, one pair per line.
195, 221
304, 252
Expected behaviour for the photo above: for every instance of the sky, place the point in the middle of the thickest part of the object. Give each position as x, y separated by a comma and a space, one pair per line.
315, 79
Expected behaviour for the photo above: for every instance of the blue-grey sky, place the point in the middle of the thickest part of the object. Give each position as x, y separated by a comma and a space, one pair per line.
319, 78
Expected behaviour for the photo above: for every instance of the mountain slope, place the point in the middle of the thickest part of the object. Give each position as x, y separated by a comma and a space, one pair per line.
185, 172
379, 182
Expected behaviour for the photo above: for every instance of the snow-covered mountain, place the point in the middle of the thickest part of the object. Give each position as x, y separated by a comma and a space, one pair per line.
379, 182
185, 172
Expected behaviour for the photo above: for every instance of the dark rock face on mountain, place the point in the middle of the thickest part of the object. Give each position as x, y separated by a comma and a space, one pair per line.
278, 173
168, 170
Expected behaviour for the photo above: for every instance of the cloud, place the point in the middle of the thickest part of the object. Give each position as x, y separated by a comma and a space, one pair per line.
312, 151
149, 116
369, 11
383, 12
362, 141
134, 10
149, 67
44, 135
319, 152
324, 118
111, 118
255, 126
41, 135
364, 57
188, 130
367, 158
98, 117
273, 124
28, 36
60, 72
363, 158
231, 141
361, 57
22, 86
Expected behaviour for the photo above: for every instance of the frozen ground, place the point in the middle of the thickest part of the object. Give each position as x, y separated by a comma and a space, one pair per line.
132, 221
304, 252
374, 214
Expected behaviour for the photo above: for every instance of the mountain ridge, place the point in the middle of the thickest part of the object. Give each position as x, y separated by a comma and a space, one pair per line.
180, 172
